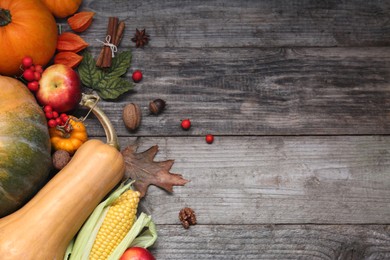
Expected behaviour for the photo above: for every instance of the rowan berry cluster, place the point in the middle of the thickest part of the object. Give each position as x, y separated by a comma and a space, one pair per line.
54, 118
31, 73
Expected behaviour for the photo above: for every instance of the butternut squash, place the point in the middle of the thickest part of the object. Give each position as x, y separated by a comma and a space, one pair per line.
43, 228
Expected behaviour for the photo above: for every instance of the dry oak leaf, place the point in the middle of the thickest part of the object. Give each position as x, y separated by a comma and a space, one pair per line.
141, 168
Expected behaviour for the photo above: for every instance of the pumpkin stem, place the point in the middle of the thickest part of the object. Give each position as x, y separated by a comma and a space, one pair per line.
90, 101
5, 17
65, 129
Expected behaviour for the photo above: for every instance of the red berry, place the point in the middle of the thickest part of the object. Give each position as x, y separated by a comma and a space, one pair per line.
58, 121
47, 108
38, 68
186, 124
49, 115
33, 86
55, 114
27, 62
64, 119
137, 76
37, 75
209, 138
29, 75
52, 123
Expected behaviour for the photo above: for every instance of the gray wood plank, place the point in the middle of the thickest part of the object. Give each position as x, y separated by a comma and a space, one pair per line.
275, 180
260, 91
257, 74
273, 242
220, 23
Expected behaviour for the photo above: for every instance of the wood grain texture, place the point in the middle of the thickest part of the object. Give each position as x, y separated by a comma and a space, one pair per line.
256, 91
274, 180
220, 23
273, 242
297, 95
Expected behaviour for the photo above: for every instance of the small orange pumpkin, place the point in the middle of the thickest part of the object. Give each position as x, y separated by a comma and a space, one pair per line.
27, 28
70, 137
62, 8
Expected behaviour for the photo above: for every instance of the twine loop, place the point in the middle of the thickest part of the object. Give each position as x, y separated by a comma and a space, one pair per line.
108, 43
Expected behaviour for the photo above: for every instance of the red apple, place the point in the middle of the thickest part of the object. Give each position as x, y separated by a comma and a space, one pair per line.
59, 87
137, 253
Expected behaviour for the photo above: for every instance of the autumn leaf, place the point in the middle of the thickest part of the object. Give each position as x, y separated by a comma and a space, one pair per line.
141, 168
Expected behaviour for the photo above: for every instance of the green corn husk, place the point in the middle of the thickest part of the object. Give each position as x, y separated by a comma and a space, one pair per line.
80, 247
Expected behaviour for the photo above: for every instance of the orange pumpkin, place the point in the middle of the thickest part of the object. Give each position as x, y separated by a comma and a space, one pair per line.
69, 138
62, 8
27, 28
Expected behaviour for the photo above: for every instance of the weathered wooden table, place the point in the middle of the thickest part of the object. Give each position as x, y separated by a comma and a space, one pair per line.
297, 94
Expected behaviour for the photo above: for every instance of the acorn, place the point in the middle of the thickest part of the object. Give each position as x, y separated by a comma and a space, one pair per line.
132, 116
157, 106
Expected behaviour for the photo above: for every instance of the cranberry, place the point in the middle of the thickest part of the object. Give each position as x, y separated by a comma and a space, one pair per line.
137, 76
37, 75
47, 108
52, 123
29, 75
55, 114
27, 62
49, 115
33, 86
186, 124
38, 68
209, 139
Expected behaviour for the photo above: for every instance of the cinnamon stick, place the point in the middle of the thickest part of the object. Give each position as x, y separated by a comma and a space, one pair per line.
119, 33
105, 57
99, 60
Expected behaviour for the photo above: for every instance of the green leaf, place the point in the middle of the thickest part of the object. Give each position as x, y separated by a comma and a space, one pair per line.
120, 63
90, 75
113, 87
108, 83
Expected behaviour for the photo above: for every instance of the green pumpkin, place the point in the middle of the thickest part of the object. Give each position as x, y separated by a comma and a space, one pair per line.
25, 159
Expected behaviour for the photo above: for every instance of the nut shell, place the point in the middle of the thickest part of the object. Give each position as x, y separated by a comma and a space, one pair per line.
60, 159
132, 116
157, 106
187, 217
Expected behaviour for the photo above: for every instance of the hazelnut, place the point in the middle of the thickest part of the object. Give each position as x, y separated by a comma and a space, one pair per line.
157, 106
60, 159
132, 116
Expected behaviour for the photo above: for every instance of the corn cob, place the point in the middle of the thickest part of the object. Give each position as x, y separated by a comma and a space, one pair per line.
141, 234
116, 224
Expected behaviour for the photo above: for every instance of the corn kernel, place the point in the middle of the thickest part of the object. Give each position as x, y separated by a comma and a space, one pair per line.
117, 223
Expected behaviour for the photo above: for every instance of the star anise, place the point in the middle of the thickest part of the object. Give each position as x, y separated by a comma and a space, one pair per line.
140, 38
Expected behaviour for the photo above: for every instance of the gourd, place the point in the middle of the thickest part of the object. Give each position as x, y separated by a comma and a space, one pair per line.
62, 8
43, 228
25, 159
27, 28
69, 137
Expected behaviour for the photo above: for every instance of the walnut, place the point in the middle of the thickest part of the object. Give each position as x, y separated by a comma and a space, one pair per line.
60, 159
187, 217
132, 116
